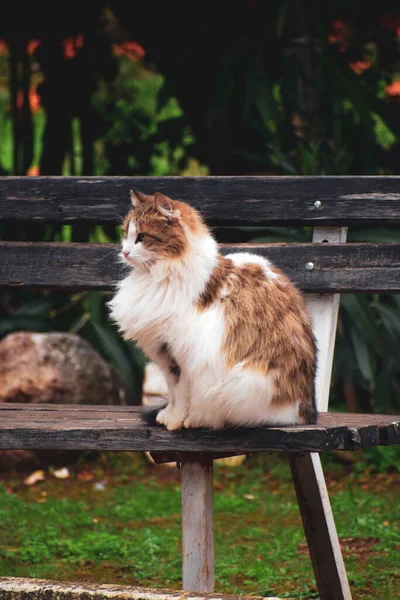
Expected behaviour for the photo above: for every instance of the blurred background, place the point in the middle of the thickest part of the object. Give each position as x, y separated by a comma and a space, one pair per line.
283, 87
288, 87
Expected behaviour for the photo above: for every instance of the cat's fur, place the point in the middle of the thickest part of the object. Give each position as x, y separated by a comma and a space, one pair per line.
231, 334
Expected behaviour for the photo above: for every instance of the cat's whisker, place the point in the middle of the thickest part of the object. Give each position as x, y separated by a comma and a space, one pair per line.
118, 217
107, 254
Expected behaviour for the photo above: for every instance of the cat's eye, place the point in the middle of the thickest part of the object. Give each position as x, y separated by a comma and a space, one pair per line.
140, 237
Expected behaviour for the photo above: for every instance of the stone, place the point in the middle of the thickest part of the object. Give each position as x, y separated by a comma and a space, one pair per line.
57, 368
154, 383
18, 588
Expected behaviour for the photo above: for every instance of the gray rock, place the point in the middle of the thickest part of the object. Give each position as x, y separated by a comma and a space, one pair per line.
57, 368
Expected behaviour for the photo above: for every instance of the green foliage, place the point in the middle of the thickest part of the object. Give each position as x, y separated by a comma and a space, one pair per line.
138, 135
382, 459
5, 134
367, 347
312, 109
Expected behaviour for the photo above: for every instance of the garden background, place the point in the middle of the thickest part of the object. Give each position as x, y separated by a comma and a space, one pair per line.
245, 88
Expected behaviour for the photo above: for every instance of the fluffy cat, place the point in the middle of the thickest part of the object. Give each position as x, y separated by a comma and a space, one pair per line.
231, 333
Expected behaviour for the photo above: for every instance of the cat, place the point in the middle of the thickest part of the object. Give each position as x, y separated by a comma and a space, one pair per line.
230, 333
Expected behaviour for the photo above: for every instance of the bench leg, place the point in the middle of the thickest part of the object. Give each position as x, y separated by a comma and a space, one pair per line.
319, 526
197, 526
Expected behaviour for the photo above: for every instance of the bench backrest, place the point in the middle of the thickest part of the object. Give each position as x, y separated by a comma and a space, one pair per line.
323, 268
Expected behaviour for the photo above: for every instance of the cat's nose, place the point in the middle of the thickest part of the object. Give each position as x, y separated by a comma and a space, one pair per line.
125, 253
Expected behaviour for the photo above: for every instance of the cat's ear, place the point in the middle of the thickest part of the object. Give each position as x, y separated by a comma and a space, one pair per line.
138, 198
164, 205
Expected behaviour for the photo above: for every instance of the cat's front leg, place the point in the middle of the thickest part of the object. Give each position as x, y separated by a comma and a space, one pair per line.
165, 414
176, 412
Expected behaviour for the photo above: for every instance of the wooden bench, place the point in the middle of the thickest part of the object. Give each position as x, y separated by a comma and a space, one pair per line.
322, 269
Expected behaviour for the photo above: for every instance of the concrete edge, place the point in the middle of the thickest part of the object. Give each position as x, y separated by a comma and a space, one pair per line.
17, 588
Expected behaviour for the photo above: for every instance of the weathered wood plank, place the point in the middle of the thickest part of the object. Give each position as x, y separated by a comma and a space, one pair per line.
259, 200
197, 526
9, 410
18, 588
83, 428
336, 267
324, 311
389, 434
89, 436
319, 527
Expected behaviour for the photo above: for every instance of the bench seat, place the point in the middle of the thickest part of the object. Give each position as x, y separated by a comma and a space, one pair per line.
51, 426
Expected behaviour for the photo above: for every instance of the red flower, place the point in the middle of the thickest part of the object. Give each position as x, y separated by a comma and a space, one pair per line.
32, 45
340, 35
72, 44
392, 22
33, 171
359, 66
34, 100
393, 90
131, 50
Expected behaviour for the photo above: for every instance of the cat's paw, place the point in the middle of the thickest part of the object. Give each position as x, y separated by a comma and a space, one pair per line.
168, 419
191, 423
162, 415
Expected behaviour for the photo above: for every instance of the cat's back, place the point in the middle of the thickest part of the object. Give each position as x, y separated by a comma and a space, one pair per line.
265, 314
252, 285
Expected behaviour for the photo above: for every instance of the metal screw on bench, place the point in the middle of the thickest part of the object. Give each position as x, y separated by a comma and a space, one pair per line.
317, 204
309, 266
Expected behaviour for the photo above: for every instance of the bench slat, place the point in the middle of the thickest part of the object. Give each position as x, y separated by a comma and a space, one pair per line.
337, 267
257, 200
27, 426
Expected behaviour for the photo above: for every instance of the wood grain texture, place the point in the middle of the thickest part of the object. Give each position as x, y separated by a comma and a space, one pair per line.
337, 267
197, 526
319, 527
24, 426
258, 200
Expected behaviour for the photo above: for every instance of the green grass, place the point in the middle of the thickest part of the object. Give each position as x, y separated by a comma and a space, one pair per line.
6, 147
130, 532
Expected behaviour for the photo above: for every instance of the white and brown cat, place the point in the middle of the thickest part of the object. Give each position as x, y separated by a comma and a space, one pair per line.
231, 333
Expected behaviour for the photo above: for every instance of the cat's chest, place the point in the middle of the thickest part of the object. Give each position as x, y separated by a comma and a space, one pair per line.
140, 306
153, 315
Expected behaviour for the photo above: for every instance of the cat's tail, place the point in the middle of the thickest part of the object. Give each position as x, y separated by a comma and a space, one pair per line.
149, 412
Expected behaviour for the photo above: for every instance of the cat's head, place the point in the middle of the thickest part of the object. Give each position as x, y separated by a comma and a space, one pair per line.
158, 228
